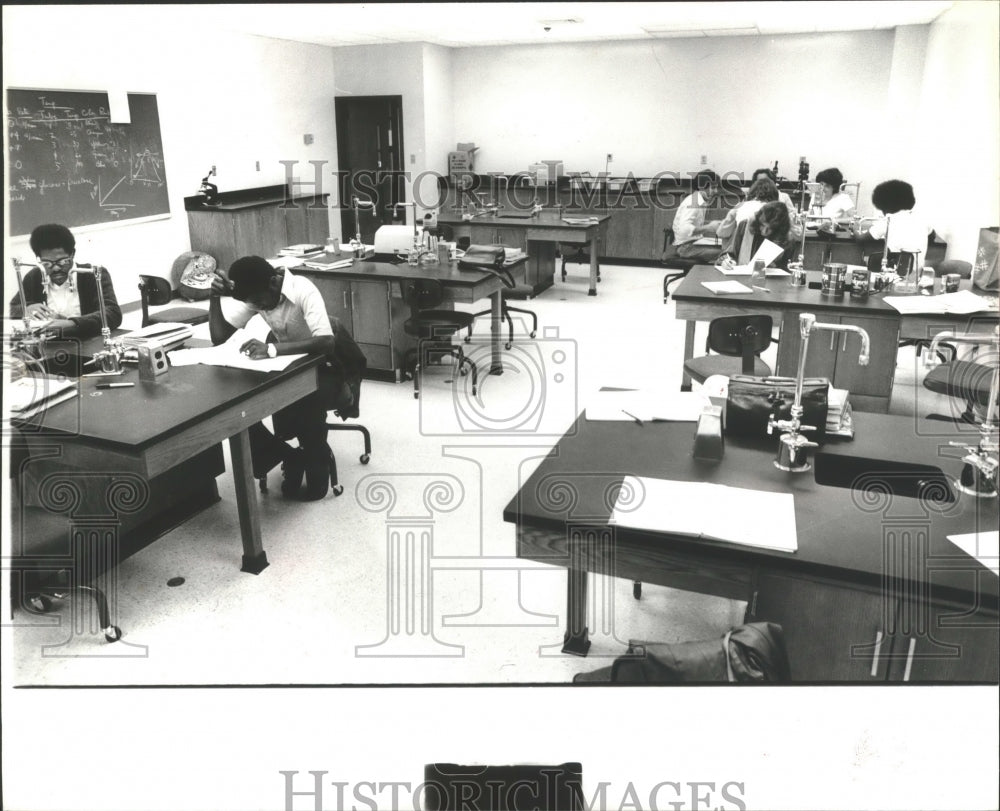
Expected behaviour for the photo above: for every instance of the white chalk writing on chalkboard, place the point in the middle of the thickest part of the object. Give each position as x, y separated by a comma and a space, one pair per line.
70, 164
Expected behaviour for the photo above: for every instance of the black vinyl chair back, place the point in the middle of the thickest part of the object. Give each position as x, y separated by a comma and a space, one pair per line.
155, 291
454, 787
740, 336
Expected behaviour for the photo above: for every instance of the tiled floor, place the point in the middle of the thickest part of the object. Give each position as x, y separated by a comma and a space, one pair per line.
319, 614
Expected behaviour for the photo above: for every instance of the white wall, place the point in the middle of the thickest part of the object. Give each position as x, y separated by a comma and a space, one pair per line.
223, 99
956, 165
439, 117
389, 70
745, 102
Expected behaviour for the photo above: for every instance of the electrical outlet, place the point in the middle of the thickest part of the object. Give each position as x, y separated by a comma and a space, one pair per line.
307, 139
258, 166
610, 157
704, 160
213, 169
802, 159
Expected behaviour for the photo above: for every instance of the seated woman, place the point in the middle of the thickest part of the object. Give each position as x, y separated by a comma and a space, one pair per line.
783, 197
833, 203
62, 293
762, 191
770, 222
902, 227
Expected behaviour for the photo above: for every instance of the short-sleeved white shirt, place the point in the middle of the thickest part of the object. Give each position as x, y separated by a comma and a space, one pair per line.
299, 316
690, 215
840, 205
907, 231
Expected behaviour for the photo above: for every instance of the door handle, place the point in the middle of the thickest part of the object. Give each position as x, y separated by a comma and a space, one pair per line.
346, 305
909, 658
843, 343
352, 297
878, 648
833, 339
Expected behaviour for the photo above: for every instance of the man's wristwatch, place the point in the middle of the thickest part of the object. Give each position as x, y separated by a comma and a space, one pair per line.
272, 351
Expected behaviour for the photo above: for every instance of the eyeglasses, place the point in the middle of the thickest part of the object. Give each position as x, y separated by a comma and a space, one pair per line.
54, 264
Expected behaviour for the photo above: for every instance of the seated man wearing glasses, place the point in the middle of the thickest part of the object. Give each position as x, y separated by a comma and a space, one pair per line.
62, 293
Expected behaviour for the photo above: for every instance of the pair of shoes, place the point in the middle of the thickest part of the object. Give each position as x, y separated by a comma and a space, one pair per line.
317, 471
292, 471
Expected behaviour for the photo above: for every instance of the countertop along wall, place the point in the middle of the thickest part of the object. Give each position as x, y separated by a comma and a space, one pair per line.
224, 99
744, 102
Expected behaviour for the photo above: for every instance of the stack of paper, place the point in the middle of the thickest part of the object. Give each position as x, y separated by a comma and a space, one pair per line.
747, 270
983, 546
839, 415
963, 302
646, 406
302, 249
169, 335
713, 511
31, 394
329, 262
228, 353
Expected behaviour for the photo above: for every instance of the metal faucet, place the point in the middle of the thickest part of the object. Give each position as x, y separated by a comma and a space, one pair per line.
792, 444
979, 476
357, 246
109, 360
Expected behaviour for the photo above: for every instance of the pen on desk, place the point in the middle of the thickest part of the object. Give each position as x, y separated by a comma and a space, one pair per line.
762, 289
633, 416
115, 385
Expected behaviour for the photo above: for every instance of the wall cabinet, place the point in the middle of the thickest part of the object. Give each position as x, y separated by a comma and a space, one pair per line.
260, 230
834, 355
365, 308
832, 632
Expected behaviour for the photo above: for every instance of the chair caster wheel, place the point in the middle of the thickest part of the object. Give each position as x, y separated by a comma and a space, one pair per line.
40, 603
531, 334
463, 372
473, 391
468, 339
637, 590
113, 634
338, 490
506, 345
364, 458
416, 396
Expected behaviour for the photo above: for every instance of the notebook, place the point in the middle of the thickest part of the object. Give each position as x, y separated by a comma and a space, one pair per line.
727, 288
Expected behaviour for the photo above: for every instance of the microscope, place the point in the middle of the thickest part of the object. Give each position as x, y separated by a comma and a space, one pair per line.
979, 474
792, 445
209, 190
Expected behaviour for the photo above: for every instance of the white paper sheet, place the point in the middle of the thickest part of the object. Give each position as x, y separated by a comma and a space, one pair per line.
983, 546
646, 406
963, 302
726, 287
228, 353
714, 511
747, 270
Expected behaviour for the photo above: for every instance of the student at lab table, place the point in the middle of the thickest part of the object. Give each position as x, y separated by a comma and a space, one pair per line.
61, 294
689, 221
293, 308
762, 191
833, 203
771, 222
783, 197
902, 226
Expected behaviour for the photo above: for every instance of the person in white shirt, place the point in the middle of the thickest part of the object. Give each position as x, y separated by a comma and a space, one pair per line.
61, 293
902, 227
294, 309
689, 222
833, 203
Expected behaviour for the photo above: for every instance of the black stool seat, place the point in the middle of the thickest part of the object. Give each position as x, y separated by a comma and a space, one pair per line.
182, 315
962, 379
700, 369
437, 323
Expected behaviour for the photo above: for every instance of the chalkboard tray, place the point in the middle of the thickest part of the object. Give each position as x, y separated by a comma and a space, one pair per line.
69, 164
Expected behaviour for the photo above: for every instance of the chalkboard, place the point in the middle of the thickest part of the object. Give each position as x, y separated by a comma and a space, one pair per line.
69, 164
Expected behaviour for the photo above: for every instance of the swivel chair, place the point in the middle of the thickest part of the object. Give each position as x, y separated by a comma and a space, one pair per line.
964, 380
433, 329
155, 291
738, 340
671, 261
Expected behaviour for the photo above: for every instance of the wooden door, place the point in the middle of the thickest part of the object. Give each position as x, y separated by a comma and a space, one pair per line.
955, 644
832, 632
336, 295
821, 357
370, 306
370, 150
875, 379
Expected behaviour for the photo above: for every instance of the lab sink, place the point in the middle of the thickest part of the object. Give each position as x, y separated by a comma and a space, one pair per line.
838, 468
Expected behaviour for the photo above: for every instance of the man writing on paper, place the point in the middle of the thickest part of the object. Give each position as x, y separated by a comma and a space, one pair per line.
296, 313
61, 292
